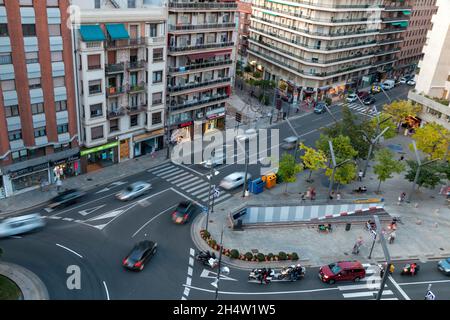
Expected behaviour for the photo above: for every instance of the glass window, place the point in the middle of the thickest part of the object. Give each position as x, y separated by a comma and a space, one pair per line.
156, 118
54, 30
26, 2
31, 57
52, 3
114, 125
59, 82
8, 85
4, 30
11, 111
5, 58
15, 135
40, 132
60, 105
37, 108
153, 30
133, 120
158, 54
96, 110
94, 62
157, 76
29, 30
156, 98
63, 128
95, 86
97, 132
57, 56
34, 83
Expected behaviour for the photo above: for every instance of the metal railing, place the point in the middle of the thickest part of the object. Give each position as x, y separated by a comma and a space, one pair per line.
398, 8
114, 91
200, 5
390, 40
201, 46
390, 19
135, 109
201, 26
114, 67
188, 86
115, 113
125, 43
137, 64
388, 30
315, 3
194, 103
137, 87
196, 66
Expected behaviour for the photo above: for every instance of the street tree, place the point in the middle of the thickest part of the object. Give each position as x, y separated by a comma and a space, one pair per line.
313, 159
344, 174
386, 165
429, 176
288, 169
432, 139
400, 110
384, 123
443, 168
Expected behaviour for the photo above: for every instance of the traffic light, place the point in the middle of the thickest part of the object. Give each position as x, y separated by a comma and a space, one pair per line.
238, 117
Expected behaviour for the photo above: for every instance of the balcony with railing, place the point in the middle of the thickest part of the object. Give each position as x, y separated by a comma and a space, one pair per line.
189, 86
197, 66
114, 68
388, 41
200, 47
156, 40
136, 65
196, 27
115, 113
381, 52
392, 30
201, 5
394, 19
125, 43
137, 108
199, 102
320, 4
135, 88
397, 8
115, 91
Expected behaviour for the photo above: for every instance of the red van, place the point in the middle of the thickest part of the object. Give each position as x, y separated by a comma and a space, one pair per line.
342, 271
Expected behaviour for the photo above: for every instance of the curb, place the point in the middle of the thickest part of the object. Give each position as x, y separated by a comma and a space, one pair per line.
30, 284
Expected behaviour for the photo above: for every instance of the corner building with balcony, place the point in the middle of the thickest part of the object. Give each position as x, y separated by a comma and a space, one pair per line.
201, 55
38, 129
121, 78
324, 47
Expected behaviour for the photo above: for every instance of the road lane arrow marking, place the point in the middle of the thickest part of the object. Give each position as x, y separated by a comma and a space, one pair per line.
117, 183
107, 215
103, 190
90, 210
206, 274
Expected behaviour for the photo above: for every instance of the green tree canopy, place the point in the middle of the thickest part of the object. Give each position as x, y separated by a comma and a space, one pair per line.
342, 147
401, 109
386, 165
432, 139
344, 174
288, 168
313, 159
389, 134
429, 176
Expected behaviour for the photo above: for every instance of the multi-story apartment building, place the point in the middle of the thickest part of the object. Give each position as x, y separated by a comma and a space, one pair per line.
415, 36
323, 47
432, 89
121, 80
202, 38
38, 129
244, 13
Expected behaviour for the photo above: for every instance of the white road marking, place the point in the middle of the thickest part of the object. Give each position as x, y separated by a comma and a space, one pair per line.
106, 289
191, 261
166, 169
187, 181
103, 190
159, 166
15, 237
178, 177
360, 286
188, 281
190, 270
67, 219
403, 293
223, 197
183, 298
117, 183
186, 292
166, 173
201, 185
206, 274
82, 204
186, 167
423, 282
90, 210
191, 252
201, 190
70, 250
108, 214
365, 294
149, 221
263, 293
174, 173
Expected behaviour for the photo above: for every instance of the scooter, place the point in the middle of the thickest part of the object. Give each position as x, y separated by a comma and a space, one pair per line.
257, 275
208, 259
407, 270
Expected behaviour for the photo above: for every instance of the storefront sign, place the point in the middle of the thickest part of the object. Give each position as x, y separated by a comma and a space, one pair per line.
216, 115
70, 159
99, 148
151, 134
200, 115
185, 124
25, 171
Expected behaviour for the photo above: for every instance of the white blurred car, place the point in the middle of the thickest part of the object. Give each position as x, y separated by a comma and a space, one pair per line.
20, 224
352, 97
234, 180
411, 82
134, 190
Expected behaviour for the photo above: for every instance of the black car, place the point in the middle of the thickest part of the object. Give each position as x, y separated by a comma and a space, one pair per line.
183, 212
369, 100
66, 198
139, 255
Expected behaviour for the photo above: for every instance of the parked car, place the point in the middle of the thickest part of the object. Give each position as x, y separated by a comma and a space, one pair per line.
342, 271
320, 108
352, 97
290, 143
444, 266
21, 224
234, 180
388, 84
248, 134
134, 190
66, 198
369, 100
183, 212
411, 82
218, 159
363, 94
139, 255
406, 78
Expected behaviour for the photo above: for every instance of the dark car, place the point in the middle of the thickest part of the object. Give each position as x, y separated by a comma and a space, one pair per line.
183, 212
369, 100
139, 255
342, 271
320, 108
363, 94
66, 198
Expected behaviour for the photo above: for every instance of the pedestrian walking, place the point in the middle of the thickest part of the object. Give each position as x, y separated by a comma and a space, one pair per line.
381, 272
332, 195
153, 153
313, 194
58, 184
360, 175
302, 197
392, 237
338, 196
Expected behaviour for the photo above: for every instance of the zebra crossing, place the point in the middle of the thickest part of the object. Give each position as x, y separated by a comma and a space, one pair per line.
187, 181
373, 111
367, 288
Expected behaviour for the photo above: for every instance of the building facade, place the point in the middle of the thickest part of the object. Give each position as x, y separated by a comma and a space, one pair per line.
121, 80
324, 47
414, 37
201, 54
244, 14
432, 89
38, 130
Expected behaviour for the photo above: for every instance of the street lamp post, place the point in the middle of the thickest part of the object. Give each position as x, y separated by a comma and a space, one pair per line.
373, 244
220, 265
211, 175
372, 143
246, 173
335, 166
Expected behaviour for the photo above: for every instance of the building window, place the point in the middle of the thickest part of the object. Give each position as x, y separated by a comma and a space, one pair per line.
52, 3
29, 30
57, 56
153, 30
97, 132
19, 155
63, 128
131, 3
8, 85
26, 3
4, 30
31, 57
5, 58
95, 86
97, 4
156, 98
37, 108
59, 82
114, 125
60, 105
11, 111
15, 135
34, 83
156, 118
94, 62
96, 110
40, 132
158, 54
157, 76
54, 30
133, 120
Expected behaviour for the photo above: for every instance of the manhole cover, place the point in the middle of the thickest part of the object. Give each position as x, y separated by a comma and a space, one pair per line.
442, 249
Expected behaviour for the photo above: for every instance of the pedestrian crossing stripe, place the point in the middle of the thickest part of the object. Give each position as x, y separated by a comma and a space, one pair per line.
187, 181
200, 190
167, 169
165, 166
177, 177
166, 172
203, 185
172, 175
365, 294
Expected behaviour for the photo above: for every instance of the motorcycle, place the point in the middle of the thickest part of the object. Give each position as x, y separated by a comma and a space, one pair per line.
291, 273
261, 275
407, 270
324, 228
207, 259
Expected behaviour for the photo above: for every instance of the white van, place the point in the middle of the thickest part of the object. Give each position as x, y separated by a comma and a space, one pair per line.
21, 224
388, 84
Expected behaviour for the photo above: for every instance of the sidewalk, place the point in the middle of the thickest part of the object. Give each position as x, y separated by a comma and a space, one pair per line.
84, 182
31, 286
422, 235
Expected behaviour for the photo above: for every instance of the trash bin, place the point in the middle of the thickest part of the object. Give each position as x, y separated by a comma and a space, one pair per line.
348, 226
256, 186
271, 180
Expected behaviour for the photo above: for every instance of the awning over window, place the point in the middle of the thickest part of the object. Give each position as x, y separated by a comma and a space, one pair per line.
92, 33
406, 12
117, 31
400, 24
